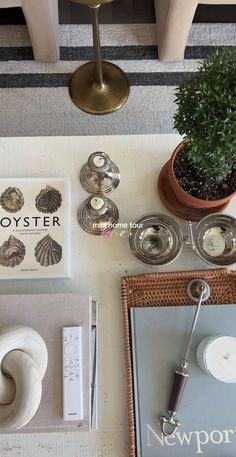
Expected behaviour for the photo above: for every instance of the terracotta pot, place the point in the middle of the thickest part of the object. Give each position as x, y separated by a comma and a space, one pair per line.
180, 202
186, 198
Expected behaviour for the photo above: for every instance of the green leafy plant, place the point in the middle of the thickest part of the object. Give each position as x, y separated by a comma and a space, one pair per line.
206, 115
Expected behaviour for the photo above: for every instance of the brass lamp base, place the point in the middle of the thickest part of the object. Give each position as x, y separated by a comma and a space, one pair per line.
94, 98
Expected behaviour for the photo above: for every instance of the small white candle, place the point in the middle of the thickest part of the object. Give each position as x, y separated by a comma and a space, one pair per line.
99, 161
97, 203
217, 357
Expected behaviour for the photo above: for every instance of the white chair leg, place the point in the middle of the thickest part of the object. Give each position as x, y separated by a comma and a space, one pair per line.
174, 19
42, 20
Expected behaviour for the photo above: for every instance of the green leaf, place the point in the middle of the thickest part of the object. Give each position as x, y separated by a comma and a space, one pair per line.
206, 114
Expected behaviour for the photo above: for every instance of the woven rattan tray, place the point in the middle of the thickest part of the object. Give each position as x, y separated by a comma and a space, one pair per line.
166, 289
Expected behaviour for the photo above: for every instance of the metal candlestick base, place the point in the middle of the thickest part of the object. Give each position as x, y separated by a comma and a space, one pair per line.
98, 215
94, 98
99, 174
98, 87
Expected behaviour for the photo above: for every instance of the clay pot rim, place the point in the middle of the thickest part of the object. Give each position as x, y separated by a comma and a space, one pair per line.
178, 148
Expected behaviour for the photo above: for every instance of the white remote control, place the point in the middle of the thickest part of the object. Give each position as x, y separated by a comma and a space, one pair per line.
72, 374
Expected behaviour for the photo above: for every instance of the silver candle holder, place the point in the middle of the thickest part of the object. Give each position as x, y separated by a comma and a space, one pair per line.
98, 215
100, 174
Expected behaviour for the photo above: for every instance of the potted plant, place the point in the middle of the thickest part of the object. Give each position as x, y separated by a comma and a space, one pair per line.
202, 169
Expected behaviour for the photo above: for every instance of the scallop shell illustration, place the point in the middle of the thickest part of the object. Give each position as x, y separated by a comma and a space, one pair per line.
12, 199
48, 251
48, 200
12, 252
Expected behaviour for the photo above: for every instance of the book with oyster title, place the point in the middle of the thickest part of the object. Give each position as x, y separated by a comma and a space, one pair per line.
34, 228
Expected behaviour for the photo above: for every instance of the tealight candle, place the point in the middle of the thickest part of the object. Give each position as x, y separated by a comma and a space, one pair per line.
216, 356
99, 161
97, 203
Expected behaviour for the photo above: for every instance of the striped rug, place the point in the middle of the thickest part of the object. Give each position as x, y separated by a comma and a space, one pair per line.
34, 97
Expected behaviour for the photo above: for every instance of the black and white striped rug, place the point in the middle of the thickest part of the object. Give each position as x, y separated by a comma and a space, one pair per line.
34, 97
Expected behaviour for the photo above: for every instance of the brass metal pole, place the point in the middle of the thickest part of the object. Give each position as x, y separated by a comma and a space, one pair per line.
98, 87
96, 44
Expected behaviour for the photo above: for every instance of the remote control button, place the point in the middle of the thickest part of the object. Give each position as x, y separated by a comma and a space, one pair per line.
71, 349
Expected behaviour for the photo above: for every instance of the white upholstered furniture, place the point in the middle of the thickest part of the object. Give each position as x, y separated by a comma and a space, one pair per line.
174, 18
42, 21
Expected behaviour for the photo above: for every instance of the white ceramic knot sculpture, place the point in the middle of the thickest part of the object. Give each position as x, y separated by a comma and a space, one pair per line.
23, 363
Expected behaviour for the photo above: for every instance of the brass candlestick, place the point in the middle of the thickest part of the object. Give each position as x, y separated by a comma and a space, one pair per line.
98, 87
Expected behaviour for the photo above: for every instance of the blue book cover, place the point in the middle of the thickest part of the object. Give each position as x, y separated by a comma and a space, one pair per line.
207, 411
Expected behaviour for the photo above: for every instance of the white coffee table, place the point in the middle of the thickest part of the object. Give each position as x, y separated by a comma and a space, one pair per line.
97, 263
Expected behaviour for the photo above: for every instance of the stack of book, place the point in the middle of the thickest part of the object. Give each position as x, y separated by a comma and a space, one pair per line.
48, 314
